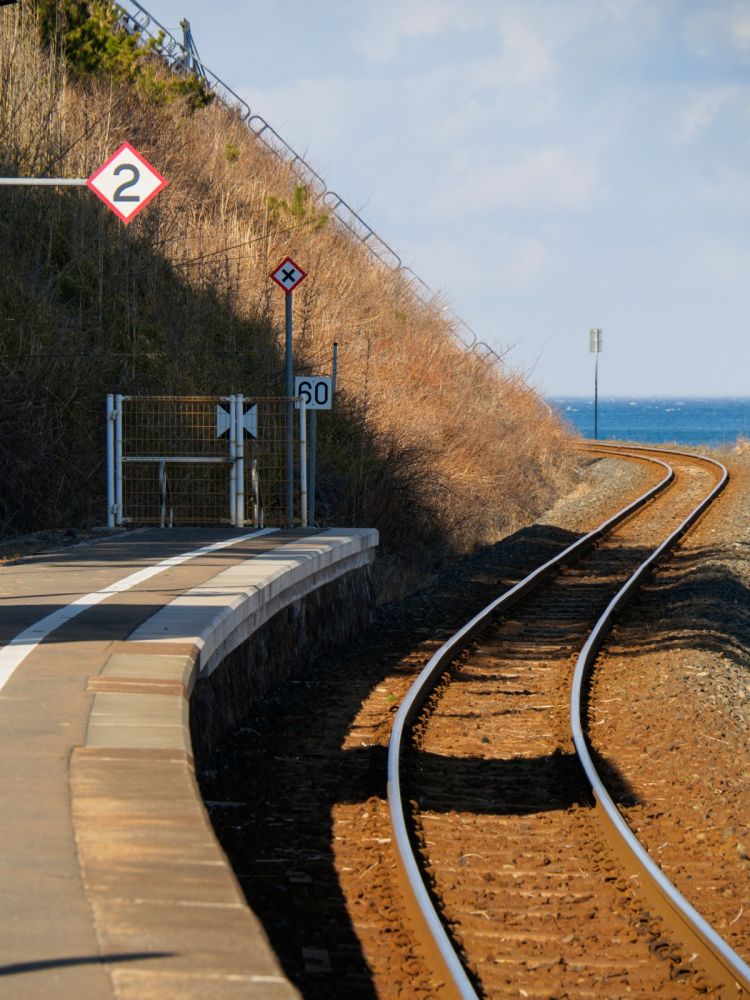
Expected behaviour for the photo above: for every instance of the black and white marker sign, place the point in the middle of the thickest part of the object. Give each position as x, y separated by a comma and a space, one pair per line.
249, 420
316, 390
126, 182
287, 275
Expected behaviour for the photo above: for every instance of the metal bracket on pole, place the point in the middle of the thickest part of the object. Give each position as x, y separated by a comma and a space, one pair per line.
190, 61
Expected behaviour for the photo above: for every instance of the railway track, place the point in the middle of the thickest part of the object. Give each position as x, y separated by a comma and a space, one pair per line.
298, 798
521, 870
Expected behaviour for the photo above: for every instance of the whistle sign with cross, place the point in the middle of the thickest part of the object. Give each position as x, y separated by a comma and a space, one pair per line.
287, 275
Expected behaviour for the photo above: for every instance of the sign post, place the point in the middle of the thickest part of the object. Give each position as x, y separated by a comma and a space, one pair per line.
316, 392
126, 182
595, 348
287, 276
125, 171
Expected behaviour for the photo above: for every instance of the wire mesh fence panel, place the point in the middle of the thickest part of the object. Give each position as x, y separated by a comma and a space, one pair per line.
176, 460
194, 493
264, 460
181, 426
181, 458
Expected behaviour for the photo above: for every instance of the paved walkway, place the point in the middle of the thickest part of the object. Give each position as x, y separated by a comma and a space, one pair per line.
111, 881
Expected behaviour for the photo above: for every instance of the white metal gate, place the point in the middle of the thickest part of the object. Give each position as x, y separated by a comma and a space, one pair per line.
203, 460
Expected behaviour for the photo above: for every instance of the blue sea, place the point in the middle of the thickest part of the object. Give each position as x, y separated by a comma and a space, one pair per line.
710, 422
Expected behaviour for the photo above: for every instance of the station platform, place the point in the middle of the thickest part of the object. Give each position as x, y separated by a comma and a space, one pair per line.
112, 883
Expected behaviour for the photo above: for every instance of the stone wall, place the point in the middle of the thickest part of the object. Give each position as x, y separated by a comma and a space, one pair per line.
295, 640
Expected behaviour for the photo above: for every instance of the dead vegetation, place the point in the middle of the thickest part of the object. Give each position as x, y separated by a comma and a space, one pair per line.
437, 447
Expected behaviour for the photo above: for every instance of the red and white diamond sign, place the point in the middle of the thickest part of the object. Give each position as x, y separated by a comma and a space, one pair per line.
287, 275
126, 182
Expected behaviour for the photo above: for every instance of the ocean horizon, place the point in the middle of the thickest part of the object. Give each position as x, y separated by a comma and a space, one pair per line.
697, 420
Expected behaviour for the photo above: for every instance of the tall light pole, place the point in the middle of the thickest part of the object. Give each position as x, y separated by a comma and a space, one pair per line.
595, 347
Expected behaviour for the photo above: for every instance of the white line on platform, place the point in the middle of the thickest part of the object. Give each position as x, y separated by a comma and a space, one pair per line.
12, 655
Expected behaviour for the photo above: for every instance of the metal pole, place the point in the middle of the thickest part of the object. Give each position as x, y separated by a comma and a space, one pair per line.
303, 463
42, 181
596, 396
232, 461
289, 391
240, 401
254, 485
110, 460
162, 494
118, 460
311, 483
595, 346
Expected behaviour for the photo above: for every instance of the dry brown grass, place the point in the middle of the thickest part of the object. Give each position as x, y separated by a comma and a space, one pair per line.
438, 447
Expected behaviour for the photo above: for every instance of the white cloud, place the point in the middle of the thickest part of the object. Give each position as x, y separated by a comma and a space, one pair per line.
725, 189
719, 262
525, 261
550, 178
705, 107
527, 58
715, 28
525, 35
502, 262
388, 23
740, 30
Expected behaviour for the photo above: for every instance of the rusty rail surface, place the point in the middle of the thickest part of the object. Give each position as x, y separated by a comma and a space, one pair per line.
723, 964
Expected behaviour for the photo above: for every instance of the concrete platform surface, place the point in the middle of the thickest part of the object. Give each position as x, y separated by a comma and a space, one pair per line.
112, 883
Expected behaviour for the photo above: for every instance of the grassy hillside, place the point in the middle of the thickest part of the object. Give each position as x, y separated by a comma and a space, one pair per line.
438, 448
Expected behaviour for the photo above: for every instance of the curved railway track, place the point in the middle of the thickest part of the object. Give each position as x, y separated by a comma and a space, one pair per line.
520, 886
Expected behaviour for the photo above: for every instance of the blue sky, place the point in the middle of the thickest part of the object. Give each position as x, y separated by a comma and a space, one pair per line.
547, 166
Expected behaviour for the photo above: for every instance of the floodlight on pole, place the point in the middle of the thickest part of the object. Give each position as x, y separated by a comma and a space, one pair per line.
595, 347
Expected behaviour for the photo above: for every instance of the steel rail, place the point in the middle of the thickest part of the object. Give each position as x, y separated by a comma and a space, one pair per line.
417, 896
721, 960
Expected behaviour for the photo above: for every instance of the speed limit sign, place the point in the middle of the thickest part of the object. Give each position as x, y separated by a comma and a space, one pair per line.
316, 390
126, 182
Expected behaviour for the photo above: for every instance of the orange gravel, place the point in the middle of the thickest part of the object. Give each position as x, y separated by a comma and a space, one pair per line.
671, 712
297, 794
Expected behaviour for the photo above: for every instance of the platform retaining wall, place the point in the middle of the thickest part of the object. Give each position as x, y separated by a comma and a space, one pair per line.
295, 640
162, 893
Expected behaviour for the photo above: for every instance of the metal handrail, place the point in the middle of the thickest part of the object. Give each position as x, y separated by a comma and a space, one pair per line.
412, 704
137, 20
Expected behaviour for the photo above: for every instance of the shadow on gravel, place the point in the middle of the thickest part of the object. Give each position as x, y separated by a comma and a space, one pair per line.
698, 603
500, 787
272, 786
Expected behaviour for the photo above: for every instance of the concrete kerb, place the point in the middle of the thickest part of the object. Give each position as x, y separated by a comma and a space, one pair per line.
224, 611
149, 860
